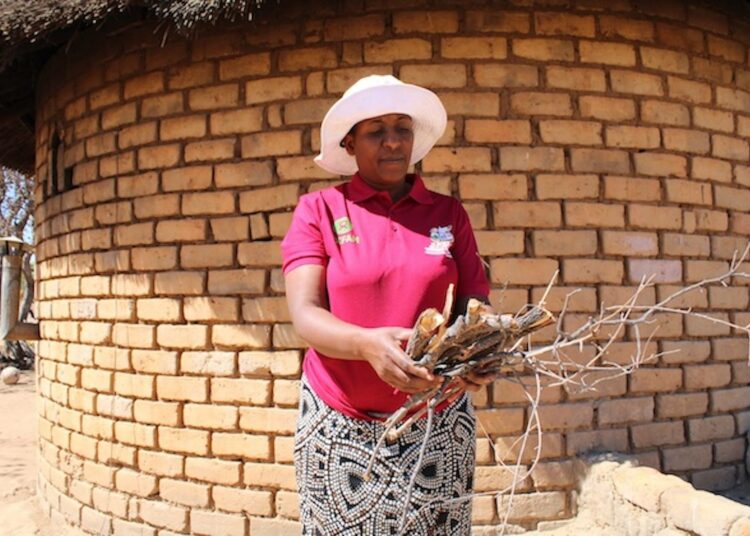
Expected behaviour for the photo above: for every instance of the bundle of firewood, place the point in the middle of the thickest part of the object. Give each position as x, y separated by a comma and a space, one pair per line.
477, 342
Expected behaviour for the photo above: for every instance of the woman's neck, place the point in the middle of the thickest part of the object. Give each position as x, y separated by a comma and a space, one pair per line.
396, 191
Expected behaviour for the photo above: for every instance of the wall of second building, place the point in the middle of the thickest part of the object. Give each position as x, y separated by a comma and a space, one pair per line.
605, 139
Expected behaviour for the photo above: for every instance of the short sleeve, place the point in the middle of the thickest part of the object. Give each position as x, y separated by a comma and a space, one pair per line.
472, 279
303, 243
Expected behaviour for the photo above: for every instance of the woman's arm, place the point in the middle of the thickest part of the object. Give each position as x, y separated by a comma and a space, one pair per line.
381, 347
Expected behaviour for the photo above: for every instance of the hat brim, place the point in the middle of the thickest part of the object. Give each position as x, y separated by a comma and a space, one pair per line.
422, 105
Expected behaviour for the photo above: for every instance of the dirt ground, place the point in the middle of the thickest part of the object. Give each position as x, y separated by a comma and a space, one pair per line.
20, 515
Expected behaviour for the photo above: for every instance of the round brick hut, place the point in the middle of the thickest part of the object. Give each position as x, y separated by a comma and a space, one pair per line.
605, 139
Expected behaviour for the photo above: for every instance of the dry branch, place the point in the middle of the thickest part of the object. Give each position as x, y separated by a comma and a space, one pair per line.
481, 341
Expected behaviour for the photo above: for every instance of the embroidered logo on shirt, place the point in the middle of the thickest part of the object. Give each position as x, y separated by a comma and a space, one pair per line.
344, 231
441, 239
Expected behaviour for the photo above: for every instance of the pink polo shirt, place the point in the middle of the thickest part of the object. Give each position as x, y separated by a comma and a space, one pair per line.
385, 263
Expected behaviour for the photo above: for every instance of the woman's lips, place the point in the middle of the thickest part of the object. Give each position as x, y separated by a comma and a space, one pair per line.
393, 160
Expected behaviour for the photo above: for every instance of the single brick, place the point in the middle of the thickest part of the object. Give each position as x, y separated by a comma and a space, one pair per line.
214, 97
627, 28
659, 271
688, 192
527, 214
567, 243
191, 126
730, 399
161, 514
543, 49
181, 230
494, 131
636, 83
706, 376
153, 412
607, 53
710, 428
566, 186
689, 90
626, 410
711, 119
733, 99
534, 103
606, 108
665, 60
435, 76
184, 493
532, 158
245, 66
160, 463
658, 164
490, 187
217, 524
252, 502
684, 140
681, 405
647, 380
665, 113
457, 159
600, 161
687, 458
495, 75
523, 271
425, 22
630, 244
576, 78
184, 440
474, 47
730, 148
581, 214
686, 245
632, 189
211, 416
592, 271
571, 132
243, 174
654, 217
657, 434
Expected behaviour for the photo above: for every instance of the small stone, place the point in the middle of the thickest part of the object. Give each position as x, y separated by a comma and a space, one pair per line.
10, 375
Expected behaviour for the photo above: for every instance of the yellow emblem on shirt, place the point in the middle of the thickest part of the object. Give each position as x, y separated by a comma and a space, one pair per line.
344, 231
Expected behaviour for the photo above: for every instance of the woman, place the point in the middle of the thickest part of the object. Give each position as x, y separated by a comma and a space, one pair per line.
361, 261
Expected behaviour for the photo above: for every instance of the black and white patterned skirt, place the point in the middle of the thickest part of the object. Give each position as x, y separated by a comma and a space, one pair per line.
331, 455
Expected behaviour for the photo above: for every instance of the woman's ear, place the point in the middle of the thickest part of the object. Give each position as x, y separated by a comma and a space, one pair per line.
348, 144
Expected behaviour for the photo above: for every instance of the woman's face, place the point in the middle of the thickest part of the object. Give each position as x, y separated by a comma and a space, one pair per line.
382, 148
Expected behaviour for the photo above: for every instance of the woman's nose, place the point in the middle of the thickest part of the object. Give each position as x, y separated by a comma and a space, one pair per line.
392, 139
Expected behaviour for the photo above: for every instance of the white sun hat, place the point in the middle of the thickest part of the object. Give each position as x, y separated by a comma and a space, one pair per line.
373, 96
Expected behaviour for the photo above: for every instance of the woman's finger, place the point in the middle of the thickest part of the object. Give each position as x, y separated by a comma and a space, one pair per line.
468, 385
482, 379
397, 378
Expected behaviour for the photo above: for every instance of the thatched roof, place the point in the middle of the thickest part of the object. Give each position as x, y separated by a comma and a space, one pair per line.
32, 30
29, 20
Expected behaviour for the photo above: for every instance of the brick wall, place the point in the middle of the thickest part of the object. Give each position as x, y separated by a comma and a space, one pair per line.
605, 139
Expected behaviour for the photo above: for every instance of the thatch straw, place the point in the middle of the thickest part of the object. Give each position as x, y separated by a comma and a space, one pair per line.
28, 20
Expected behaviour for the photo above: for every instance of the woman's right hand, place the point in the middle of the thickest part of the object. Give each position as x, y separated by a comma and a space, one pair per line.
381, 347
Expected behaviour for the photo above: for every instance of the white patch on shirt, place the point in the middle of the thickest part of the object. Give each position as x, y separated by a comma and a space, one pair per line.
441, 240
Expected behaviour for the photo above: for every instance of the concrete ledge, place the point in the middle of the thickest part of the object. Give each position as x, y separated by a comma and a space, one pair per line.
641, 501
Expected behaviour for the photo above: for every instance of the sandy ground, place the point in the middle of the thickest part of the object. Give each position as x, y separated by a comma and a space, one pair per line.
18, 509
20, 514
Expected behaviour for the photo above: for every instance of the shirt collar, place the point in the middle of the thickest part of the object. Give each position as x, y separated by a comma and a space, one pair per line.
359, 190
